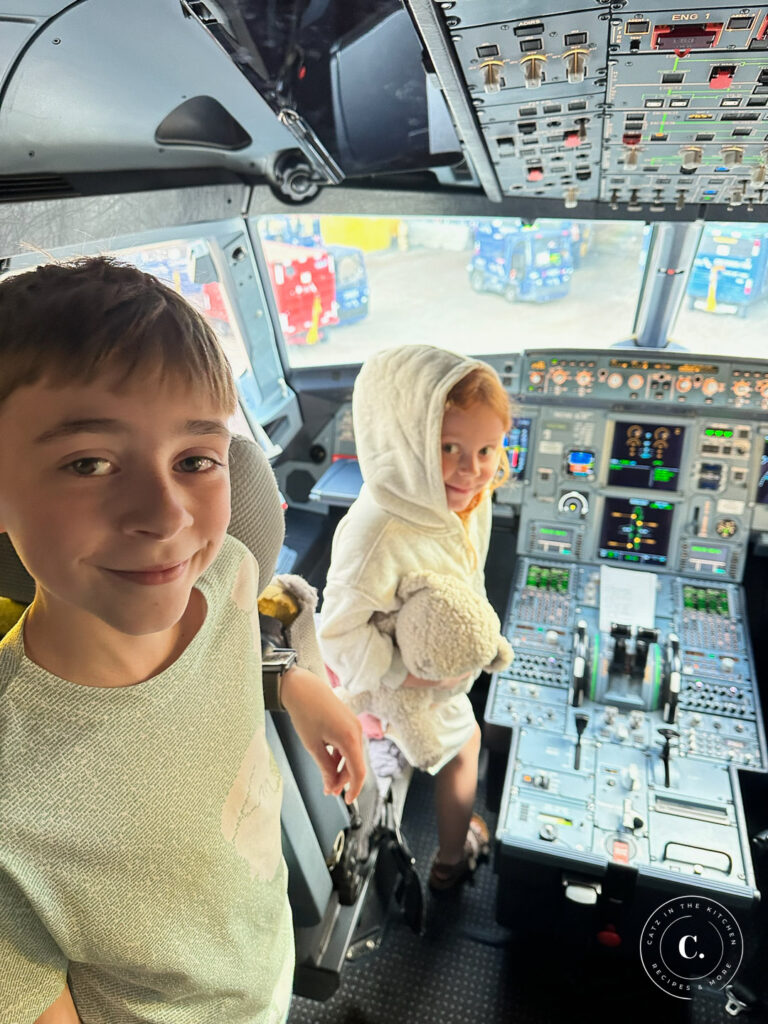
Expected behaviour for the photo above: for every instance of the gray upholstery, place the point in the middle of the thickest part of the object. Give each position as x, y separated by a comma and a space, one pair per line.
257, 520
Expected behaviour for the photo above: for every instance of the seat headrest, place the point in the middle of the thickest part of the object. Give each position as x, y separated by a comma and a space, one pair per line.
257, 521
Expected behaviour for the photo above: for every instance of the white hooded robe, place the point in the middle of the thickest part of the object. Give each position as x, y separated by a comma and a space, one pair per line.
400, 523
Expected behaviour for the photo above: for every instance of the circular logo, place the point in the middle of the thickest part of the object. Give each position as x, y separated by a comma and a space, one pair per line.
691, 944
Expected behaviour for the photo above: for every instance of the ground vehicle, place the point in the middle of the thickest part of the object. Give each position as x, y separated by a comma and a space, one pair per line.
527, 264
352, 293
730, 272
131, 169
304, 280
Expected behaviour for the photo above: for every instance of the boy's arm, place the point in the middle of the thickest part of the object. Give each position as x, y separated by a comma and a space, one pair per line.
321, 721
61, 1012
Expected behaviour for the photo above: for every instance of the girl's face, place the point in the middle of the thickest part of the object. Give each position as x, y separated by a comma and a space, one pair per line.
471, 447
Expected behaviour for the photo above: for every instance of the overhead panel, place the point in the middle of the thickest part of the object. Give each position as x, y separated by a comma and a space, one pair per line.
688, 107
538, 86
641, 108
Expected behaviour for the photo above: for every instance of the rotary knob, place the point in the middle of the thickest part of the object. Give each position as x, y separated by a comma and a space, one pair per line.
709, 386
584, 378
559, 377
635, 382
533, 71
534, 378
614, 380
725, 528
741, 388
573, 503
683, 385
492, 75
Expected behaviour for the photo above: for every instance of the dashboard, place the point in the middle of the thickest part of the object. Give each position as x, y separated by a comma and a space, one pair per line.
645, 462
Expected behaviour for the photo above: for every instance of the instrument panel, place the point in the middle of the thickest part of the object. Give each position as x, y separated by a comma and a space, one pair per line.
657, 463
614, 377
629, 106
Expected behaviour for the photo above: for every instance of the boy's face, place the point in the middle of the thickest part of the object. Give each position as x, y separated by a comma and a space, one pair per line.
116, 502
470, 443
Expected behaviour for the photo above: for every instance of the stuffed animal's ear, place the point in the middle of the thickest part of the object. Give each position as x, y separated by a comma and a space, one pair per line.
503, 658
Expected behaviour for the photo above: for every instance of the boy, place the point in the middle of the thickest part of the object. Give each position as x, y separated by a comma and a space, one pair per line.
141, 876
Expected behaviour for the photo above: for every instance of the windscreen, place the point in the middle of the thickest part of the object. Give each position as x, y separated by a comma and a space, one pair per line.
345, 287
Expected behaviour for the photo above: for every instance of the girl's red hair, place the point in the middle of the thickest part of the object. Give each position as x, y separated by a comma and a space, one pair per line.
481, 386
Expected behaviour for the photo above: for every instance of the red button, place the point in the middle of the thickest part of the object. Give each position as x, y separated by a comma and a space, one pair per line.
535, 174
571, 139
609, 936
721, 80
620, 851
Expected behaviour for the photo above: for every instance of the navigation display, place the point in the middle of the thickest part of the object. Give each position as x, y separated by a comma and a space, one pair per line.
636, 530
516, 445
646, 455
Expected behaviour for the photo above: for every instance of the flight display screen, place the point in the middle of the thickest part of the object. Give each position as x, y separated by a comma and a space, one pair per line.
636, 530
762, 482
646, 455
516, 445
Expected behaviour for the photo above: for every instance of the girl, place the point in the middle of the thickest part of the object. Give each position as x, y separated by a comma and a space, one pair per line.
429, 427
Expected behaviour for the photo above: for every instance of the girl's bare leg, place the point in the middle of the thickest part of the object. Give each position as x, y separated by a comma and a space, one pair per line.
455, 789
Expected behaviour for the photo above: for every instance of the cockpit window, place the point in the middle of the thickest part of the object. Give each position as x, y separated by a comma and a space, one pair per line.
725, 300
345, 286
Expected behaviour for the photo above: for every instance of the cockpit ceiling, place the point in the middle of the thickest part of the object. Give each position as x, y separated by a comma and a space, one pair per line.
615, 108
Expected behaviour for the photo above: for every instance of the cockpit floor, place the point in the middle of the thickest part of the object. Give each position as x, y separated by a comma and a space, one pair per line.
466, 968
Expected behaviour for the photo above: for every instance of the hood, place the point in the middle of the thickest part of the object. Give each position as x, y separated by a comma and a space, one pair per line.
397, 407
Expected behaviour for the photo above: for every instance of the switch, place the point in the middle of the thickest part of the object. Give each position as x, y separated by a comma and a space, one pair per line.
575, 67
691, 159
732, 155
620, 851
533, 72
721, 78
492, 76
535, 173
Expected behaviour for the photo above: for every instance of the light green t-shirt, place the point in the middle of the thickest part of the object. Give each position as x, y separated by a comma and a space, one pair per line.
140, 851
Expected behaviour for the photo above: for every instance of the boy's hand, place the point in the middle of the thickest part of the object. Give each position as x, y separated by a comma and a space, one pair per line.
321, 721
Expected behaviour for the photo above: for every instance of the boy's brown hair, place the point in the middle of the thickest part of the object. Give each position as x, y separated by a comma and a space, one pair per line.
74, 321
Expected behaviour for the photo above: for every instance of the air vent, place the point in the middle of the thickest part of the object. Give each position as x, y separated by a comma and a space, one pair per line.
16, 188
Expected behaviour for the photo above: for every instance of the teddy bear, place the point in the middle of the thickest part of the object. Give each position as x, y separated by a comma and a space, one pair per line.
443, 629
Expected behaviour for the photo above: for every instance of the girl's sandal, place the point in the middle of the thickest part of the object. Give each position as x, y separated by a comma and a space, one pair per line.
476, 850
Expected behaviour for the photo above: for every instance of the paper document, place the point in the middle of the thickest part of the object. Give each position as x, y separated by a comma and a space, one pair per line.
627, 597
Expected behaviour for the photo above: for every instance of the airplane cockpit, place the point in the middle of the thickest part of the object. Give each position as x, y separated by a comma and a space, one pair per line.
578, 196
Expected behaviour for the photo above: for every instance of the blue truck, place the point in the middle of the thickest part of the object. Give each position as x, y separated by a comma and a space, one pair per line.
523, 263
730, 271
